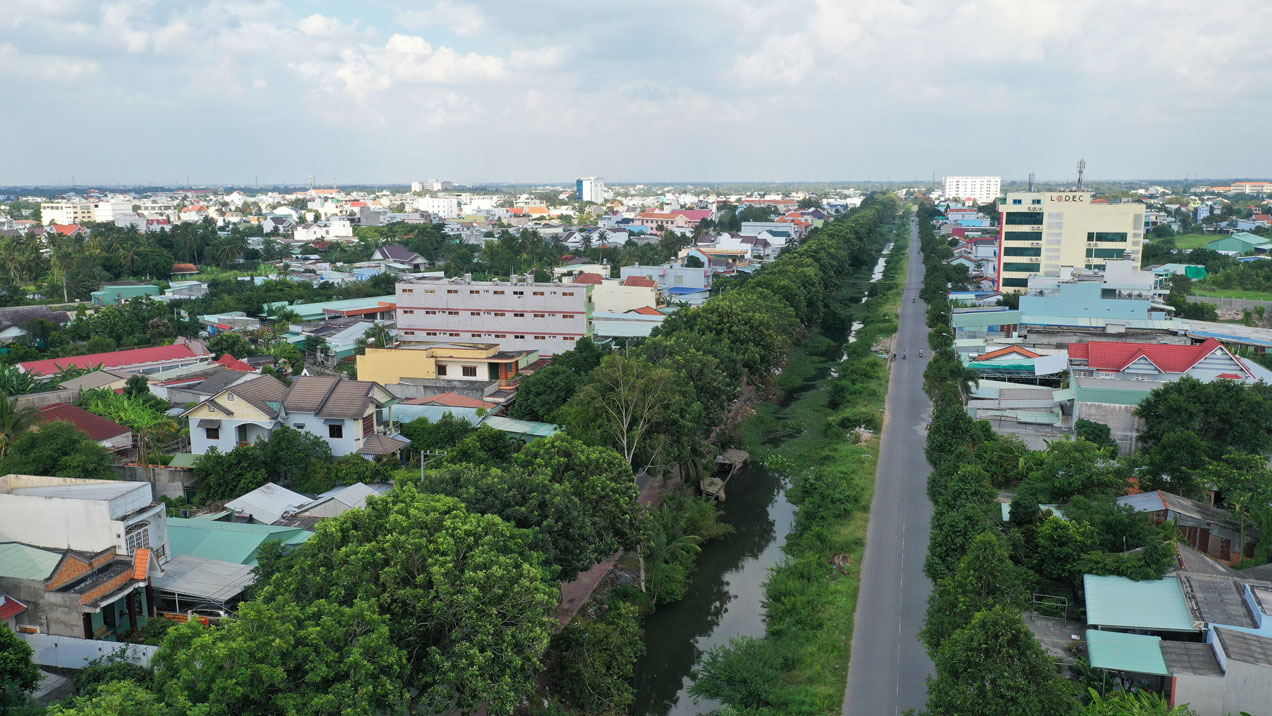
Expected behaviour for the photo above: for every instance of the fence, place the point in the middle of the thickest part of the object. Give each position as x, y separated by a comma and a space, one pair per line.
71, 653
39, 400
167, 481
1239, 304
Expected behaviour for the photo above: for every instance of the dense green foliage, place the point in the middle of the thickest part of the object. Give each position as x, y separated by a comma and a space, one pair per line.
59, 449
17, 673
595, 658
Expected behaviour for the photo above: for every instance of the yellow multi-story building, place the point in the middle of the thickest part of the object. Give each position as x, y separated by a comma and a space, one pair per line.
1042, 231
66, 212
449, 361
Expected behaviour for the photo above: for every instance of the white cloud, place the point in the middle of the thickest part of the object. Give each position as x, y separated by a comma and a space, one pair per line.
17, 65
779, 59
318, 25
461, 19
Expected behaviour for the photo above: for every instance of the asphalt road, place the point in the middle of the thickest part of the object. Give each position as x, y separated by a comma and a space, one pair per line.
889, 667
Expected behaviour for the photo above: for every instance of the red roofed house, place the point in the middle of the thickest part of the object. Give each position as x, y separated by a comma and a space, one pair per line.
138, 360
658, 221
591, 279
451, 400
1206, 361
695, 216
108, 434
68, 229
233, 363
182, 270
639, 281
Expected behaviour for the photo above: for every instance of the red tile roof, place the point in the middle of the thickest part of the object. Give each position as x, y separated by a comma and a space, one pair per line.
693, 214
10, 607
233, 363
141, 564
1111, 356
450, 400
67, 229
1010, 349
593, 279
185, 268
97, 427
647, 311
114, 359
639, 281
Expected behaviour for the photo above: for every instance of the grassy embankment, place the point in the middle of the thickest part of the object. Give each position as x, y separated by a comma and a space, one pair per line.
1188, 242
1200, 289
811, 602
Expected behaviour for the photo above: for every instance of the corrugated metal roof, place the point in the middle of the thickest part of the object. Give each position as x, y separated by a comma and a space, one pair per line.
1138, 653
209, 579
982, 319
227, 541
1126, 604
521, 427
22, 561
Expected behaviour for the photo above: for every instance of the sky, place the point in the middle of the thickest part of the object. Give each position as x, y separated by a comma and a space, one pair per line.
386, 91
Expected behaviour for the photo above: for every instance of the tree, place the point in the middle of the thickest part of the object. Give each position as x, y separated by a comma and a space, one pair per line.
624, 405
58, 449
14, 421
428, 436
1077, 467
230, 343
464, 597
113, 699
747, 673
283, 658
596, 661
1245, 481
969, 486
986, 577
1132, 703
1224, 414
1060, 544
540, 395
18, 674
952, 532
995, 667
1175, 463
1093, 432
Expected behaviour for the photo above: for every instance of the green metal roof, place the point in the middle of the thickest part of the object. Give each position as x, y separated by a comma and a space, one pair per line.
183, 459
227, 541
528, 428
22, 561
1139, 653
1112, 396
1123, 603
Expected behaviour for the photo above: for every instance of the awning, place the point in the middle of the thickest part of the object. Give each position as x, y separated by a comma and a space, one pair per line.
208, 423
333, 422
1138, 653
200, 578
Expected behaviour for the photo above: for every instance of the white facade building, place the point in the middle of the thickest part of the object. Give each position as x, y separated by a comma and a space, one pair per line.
590, 189
446, 207
108, 210
66, 212
981, 190
518, 315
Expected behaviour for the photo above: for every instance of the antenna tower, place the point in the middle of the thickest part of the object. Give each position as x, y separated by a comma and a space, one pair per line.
311, 182
1031, 182
1081, 171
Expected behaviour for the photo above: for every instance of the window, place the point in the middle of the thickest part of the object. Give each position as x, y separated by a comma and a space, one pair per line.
567, 293
538, 293
452, 290
430, 313
1015, 201
1036, 201
335, 431
500, 313
408, 311
1106, 236
541, 338
519, 338
518, 293
1023, 218
212, 433
469, 371
137, 537
452, 313
229, 398
1015, 283
1022, 236
1105, 253
569, 339
540, 315
441, 369
474, 313
499, 293
427, 290
518, 315
240, 434
473, 292
1022, 251
1020, 267
408, 290
368, 424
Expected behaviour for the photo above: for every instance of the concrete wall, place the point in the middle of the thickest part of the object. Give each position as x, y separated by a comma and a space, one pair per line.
56, 523
613, 296
57, 613
425, 388
1124, 426
39, 400
1248, 688
73, 653
1203, 694
165, 481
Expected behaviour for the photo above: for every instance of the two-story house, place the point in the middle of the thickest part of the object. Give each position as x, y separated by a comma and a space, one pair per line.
343, 412
79, 553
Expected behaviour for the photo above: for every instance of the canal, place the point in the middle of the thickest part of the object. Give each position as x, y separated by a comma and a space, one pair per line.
726, 595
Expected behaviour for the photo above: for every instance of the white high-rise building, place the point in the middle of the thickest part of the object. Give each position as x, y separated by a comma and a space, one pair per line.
981, 190
590, 189
116, 207
446, 207
66, 212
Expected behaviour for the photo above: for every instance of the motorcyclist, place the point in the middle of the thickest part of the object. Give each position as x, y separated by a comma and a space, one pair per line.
902, 355
920, 352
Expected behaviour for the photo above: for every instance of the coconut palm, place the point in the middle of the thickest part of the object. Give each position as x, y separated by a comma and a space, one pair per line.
13, 421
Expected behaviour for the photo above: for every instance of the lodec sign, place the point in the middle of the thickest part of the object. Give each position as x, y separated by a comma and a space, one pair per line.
1067, 197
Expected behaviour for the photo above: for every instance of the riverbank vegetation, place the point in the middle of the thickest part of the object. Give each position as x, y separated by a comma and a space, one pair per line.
827, 442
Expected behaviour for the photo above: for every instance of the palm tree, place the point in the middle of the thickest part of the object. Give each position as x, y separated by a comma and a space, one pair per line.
667, 540
13, 421
379, 333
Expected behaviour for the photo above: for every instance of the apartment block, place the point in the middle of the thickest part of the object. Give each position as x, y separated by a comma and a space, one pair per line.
519, 314
1042, 231
589, 189
66, 212
982, 190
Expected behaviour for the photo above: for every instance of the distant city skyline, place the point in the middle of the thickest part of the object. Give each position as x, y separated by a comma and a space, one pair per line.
230, 92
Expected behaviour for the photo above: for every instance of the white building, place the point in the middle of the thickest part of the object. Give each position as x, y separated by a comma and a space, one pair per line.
431, 185
981, 190
66, 212
519, 314
108, 210
590, 189
446, 207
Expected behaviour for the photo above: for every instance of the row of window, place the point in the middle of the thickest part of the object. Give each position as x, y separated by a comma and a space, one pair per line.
1032, 201
1021, 267
1106, 236
1105, 253
1023, 218
1022, 236
478, 314
453, 334
1015, 283
468, 371
1022, 251
497, 292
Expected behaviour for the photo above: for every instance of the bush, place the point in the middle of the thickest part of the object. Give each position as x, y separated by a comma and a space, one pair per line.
596, 661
